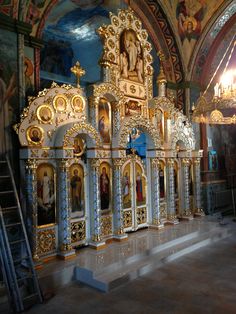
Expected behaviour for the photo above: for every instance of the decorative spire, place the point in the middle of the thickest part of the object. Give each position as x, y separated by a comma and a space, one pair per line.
78, 71
161, 78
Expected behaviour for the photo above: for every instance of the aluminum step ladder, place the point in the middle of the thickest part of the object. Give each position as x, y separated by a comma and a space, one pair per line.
15, 254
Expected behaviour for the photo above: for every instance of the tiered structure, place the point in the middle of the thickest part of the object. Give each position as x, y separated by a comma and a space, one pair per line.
118, 161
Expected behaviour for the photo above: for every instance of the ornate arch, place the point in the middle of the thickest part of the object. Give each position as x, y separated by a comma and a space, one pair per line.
84, 128
103, 89
142, 123
189, 142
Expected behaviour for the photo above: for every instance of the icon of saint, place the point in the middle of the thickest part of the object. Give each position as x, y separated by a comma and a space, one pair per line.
76, 189
35, 136
139, 188
104, 189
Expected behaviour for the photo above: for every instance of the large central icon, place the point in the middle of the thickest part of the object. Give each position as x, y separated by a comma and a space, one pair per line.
131, 56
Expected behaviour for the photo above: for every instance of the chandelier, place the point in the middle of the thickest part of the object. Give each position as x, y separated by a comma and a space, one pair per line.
221, 109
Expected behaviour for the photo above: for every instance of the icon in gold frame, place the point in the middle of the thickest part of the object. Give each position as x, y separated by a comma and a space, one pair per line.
34, 135
77, 103
60, 103
45, 114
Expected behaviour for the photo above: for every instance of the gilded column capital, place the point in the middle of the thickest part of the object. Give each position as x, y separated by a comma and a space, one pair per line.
64, 165
197, 161
95, 163
155, 162
31, 164
186, 161
117, 163
170, 162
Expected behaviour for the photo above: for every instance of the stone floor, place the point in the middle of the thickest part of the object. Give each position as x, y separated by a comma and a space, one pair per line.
200, 282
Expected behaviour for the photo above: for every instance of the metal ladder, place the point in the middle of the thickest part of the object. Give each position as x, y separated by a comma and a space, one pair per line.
15, 254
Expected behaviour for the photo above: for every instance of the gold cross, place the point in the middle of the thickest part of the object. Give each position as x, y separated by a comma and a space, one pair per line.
78, 72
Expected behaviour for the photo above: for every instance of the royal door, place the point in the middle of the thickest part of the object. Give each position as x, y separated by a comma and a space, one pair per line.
134, 194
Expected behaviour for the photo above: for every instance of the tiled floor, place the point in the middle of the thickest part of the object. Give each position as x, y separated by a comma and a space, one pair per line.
200, 282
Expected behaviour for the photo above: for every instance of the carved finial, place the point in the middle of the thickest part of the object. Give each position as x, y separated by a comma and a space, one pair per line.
78, 72
133, 151
161, 78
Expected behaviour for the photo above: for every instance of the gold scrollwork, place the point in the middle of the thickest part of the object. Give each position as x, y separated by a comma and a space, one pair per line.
141, 215
155, 163
78, 231
163, 211
127, 218
170, 162
81, 127
186, 162
138, 121
106, 226
95, 163
46, 241
197, 161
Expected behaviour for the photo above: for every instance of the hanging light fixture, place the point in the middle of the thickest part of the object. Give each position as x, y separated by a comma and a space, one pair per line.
221, 109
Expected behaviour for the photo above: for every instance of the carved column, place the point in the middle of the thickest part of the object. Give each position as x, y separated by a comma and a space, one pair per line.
116, 118
95, 202
156, 216
64, 210
171, 212
197, 188
185, 211
118, 204
32, 205
93, 111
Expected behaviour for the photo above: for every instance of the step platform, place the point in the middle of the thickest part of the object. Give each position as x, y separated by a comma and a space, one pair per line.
144, 251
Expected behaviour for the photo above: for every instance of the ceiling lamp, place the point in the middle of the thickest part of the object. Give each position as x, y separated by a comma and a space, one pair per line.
221, 109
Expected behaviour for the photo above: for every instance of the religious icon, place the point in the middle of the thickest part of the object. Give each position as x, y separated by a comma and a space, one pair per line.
34, 135
131, 58
132, 107
77, 190
126, 185
77, 103
162, 180
104, 186
29, 76
140, 186
104, 120
45, 114
213, 160
79, 146
46, 194
60, 103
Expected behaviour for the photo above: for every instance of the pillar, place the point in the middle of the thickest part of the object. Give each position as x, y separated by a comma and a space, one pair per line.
185, 210
198, 211
118, 204
32, 206
64, 210
171, 211
95, 204
156, 216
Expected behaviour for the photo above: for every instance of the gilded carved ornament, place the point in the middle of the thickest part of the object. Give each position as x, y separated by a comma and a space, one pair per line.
138, 122
95, 163
155, 162
186, 162
170, 162
81, 127
107, 88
